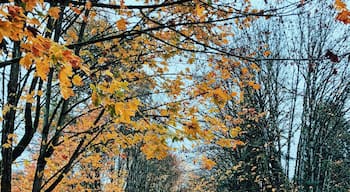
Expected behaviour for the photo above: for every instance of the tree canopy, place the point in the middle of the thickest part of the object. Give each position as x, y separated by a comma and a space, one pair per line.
88, 87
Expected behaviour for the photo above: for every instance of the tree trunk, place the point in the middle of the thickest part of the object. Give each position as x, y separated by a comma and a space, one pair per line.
8, 129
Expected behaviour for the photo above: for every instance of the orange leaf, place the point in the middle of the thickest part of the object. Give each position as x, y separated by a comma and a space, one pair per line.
344, 17
30, 4
4, 29
237, 143
121, 24
27, 60
224, 142
42, 68
65, 83
54, 12
244, 71
267, 53
66, 92
255, 67
208, 163
339, 5
254, 85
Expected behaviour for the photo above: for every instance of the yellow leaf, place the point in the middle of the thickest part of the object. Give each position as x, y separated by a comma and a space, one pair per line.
164, 112
72, 34
224, 142
339, 5
208, 163
236, 167
54, 12
29, 97
6, 145
66, 92
254, 85
225, 74
76, 10
64, 73
154, 147
255, 67
235, 131
220, 96
244, 71
65, 83
121, 24
6, 109
233, 94
42, 68
199, 10
39, 93
77, 80
33, 21
108, 72
192, 128
191, 60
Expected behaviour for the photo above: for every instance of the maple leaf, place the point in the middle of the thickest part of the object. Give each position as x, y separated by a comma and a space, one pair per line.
339, 5
54, 12
237, 143
121, 24
73, 60
192, 128
4, 29
15, 11
77, 80
30, 4
255, 67
235, 131
65, 82
27, 60
154, 147
344, 16
29, 97
220, 96
223, 142
42, 67
207, 163
254, 85
200, 10
244, 70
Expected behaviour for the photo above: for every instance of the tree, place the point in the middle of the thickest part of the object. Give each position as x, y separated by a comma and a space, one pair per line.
70, 70
305, 67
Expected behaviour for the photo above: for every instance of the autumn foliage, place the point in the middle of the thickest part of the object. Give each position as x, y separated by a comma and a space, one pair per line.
88, 80
343, 12
84, 82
